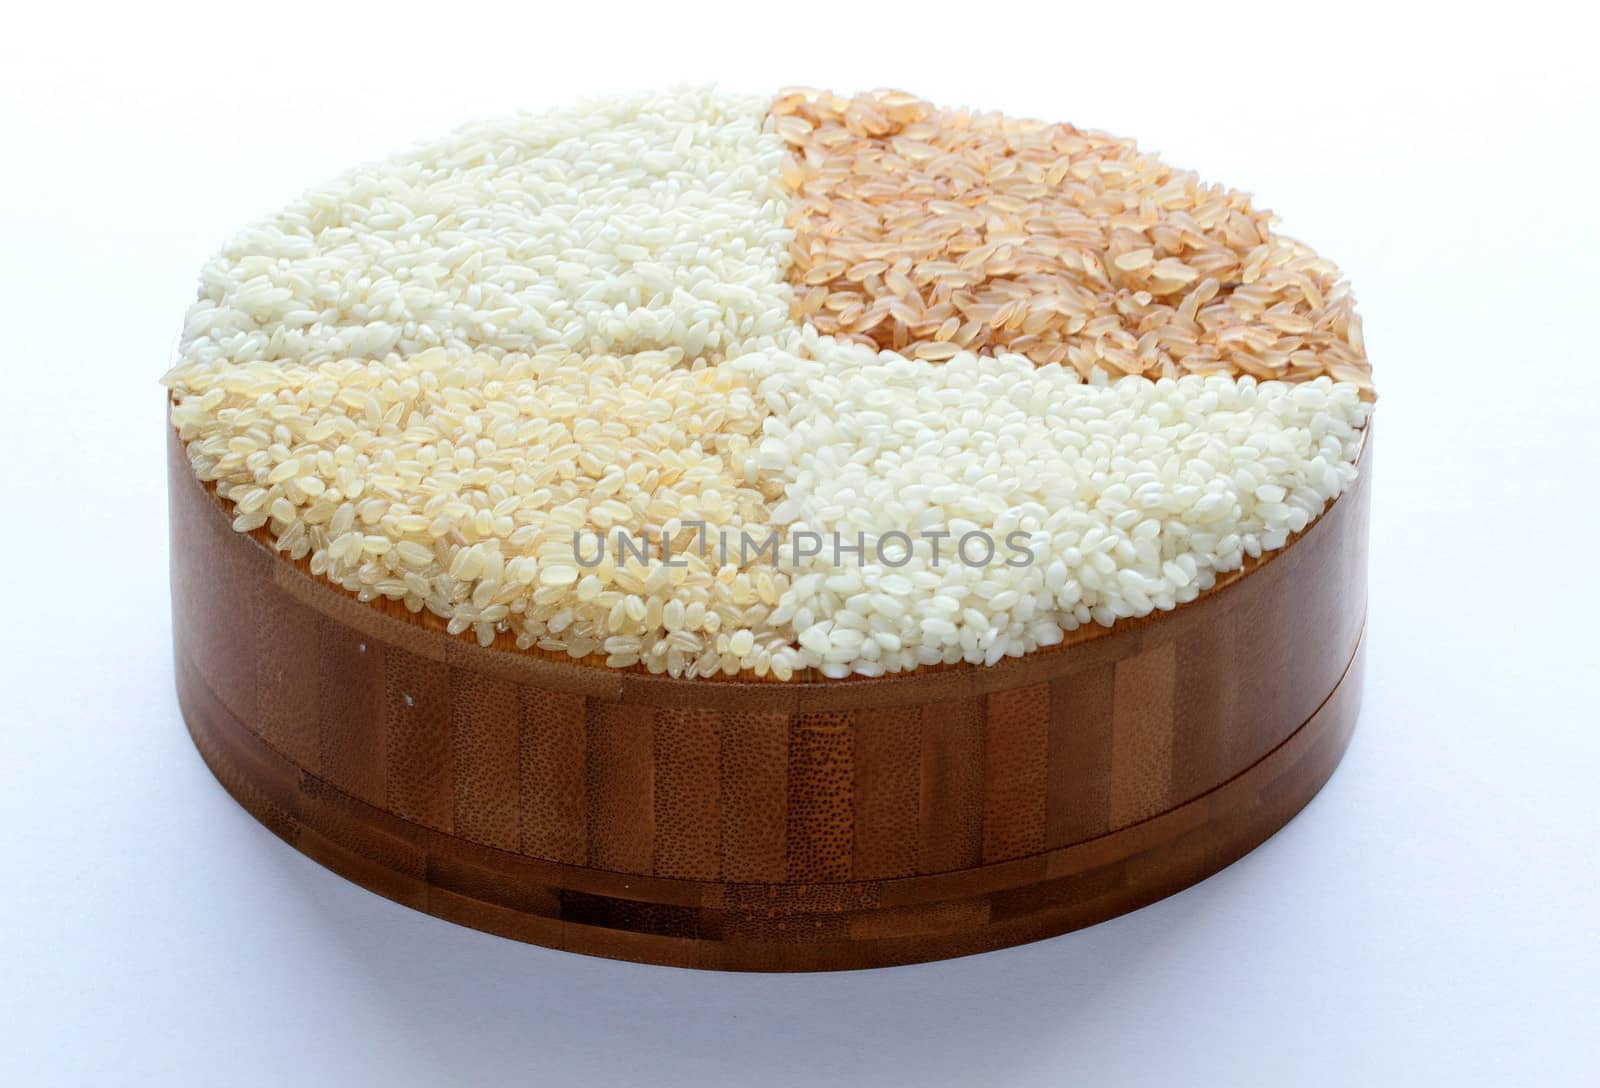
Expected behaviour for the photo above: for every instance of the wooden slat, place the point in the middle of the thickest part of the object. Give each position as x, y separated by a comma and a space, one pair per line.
350, 685
951, 809
887, 791
486, 731
419, 758
754, 792
1141, 728
820, 818
619, 786
1078, 770
1202, 708
216, 590
1016, 760
688, 783
552, 794
287, 693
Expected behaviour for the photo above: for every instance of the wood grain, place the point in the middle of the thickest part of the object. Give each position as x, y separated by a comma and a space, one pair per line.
1016, 759
1078, 756
688, 785
552, 798
619, 786
887, 790
759, 826
486, 728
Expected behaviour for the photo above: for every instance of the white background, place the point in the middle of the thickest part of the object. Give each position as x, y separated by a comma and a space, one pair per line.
1430, 918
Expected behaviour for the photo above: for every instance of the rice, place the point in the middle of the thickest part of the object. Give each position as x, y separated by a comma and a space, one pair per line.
433, 379
629, 224
928, 231
1122, 496
462, 487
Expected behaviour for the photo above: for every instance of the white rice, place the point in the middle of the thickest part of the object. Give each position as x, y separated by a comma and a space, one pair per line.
1129, 496
622, 225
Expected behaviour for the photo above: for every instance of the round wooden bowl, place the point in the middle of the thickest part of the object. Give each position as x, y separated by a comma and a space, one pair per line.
764, 825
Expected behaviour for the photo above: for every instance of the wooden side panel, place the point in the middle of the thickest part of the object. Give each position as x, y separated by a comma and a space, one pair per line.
215, 591
1294, 622
688, 788
1203, 707
887, 791
754, 794
486, 735
951, 811
350, 683
1269, 668
417, 731
821, 800
553, 788
619, 786
1141, 726
287, 691
1015, 765
1078, 763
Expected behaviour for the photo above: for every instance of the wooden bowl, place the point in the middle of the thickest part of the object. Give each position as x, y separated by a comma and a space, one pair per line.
763, 825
